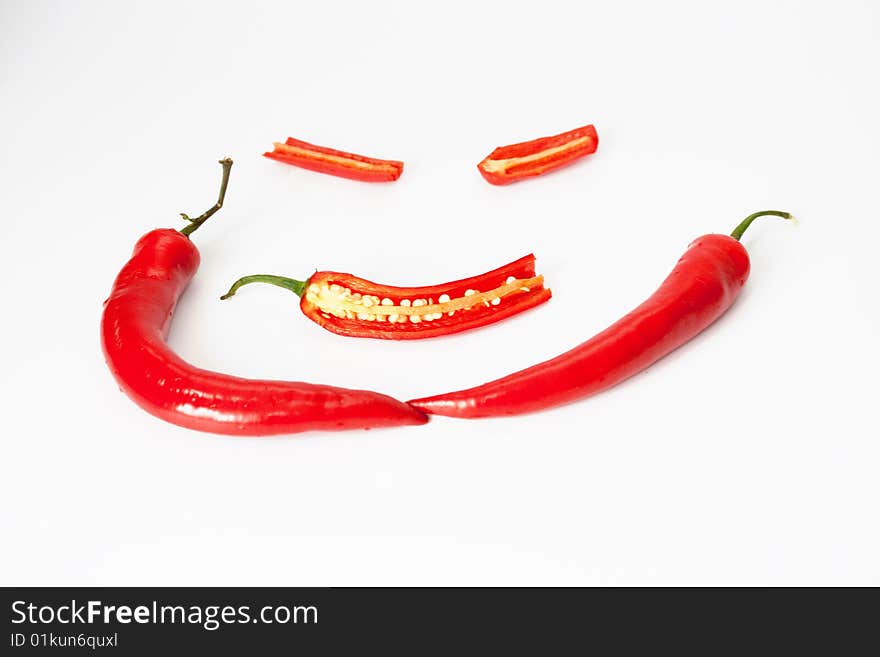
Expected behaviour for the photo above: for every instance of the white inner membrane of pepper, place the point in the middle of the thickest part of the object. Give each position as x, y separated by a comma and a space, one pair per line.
338, 159
493, 166
339, 301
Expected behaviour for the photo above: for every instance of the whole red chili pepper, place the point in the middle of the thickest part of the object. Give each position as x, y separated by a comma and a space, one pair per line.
337, 163
704, 284
136, 319
356, 307
507, 164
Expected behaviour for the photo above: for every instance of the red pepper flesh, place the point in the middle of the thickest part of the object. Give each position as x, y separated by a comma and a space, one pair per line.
135, 323
336, 163
355, 307
507, 164
701, 287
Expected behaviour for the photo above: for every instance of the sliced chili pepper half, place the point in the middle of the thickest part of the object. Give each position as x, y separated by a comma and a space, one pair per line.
507, 164
356, 307
336, 163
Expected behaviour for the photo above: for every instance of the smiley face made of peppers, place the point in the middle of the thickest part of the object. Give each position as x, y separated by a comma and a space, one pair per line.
704, 283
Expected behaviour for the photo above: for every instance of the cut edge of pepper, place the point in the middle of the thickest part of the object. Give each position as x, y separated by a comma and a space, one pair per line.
418, 307
431, 329
514, 162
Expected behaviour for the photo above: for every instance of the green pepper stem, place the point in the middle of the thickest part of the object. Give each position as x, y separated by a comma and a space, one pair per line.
739, 230
295, 286
198, 221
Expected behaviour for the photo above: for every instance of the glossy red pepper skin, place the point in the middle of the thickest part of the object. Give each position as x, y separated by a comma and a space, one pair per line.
702, 286
334, 162
429, 311
135, 322
508, 164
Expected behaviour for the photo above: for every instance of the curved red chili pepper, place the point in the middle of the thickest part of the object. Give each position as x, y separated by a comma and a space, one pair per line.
356, 307
701, 287
336, 163
135, 322
507, 164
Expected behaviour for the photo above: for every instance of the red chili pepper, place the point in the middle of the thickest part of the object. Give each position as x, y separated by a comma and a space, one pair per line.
701, 287
136, 319
336, 163
356, 307
507, 164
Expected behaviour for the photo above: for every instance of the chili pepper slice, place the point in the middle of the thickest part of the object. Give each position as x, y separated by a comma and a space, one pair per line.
135, 322
507, 164
356, 307
336, 163
702, 286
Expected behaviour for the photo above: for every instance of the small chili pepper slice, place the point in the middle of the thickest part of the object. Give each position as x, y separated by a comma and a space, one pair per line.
336, 163
355, 307
507, 164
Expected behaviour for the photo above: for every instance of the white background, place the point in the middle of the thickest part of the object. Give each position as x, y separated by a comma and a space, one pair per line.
749, 456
